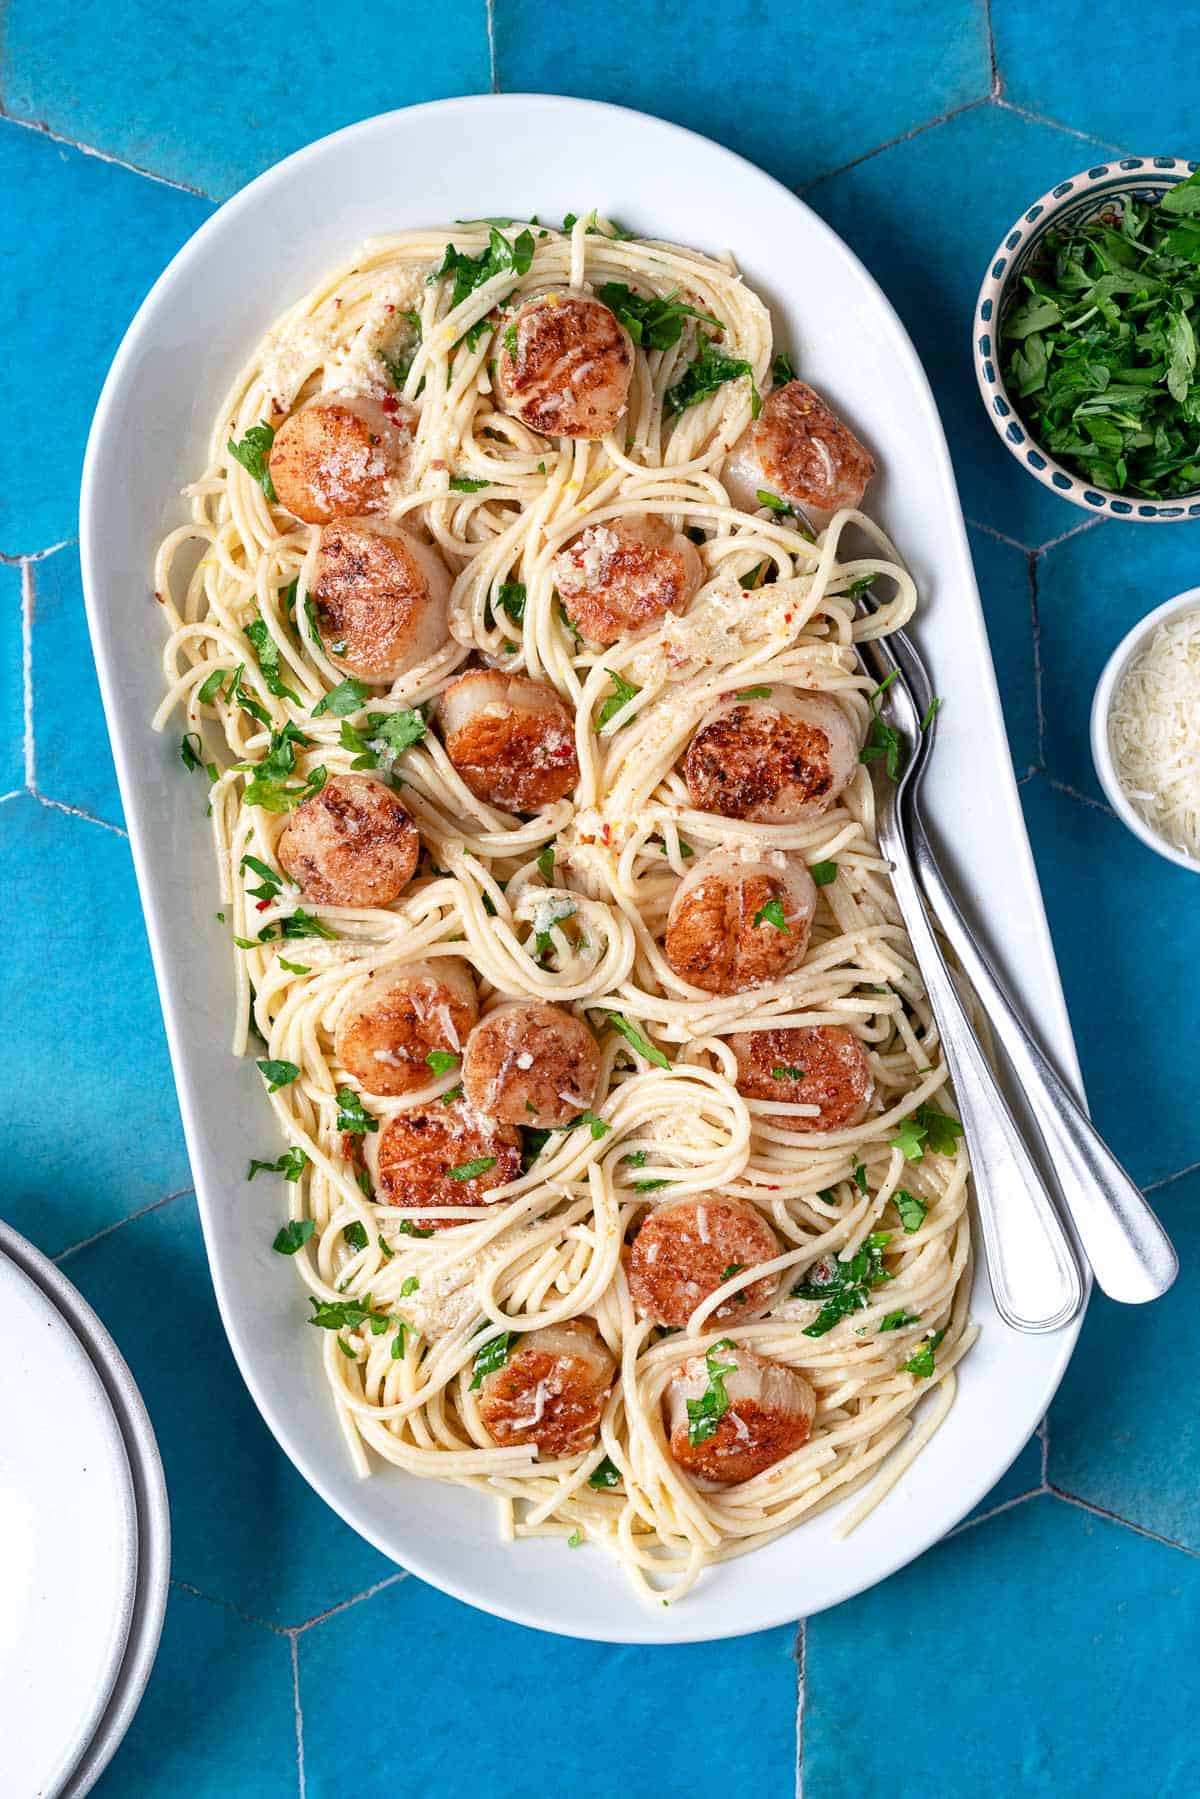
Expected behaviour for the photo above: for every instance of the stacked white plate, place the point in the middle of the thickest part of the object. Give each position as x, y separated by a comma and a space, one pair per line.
85, 1530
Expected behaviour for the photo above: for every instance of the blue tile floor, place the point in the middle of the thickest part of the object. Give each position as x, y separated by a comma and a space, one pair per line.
1049, 1645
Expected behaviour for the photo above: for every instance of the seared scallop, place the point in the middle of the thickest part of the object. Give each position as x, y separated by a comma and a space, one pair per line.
442, 1156
511, 739
616, 577
564, 366
822, 1065
800, 450
551, 1391
531, 1064
351, 844
684, 1252
767, 1413
338, 455
736, 923
404, 1012
774, 761
381, 599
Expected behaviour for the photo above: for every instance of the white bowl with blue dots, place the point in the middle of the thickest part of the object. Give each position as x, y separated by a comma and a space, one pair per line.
1147, 178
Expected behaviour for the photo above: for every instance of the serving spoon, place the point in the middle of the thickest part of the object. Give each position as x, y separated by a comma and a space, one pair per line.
1130, 1253
1034, 1275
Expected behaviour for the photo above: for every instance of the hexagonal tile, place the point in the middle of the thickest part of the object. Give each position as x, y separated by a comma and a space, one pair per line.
1091, 590
83, 242
84, 1049
914, 62
12, 681
118, 78
925, 216
1123, 1432
246, 1528
1005, 1649
602, 1715
1006, 589
1124, 927
1061, 60
218, 1717
72, 758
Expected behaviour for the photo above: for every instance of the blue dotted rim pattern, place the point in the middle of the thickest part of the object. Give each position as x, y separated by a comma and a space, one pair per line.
1147, 177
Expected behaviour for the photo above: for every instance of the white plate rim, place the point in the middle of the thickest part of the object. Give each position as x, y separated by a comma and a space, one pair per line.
675, 1627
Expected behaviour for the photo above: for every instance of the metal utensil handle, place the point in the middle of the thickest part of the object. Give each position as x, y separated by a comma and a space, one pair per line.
1034, 1276
1130, 1253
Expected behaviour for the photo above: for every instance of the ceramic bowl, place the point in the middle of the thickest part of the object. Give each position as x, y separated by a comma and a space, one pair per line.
1130, 645
1069, 203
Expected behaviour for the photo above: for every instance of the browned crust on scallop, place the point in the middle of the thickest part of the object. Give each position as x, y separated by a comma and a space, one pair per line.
405, 1023
576, 1392
740, 763
516, 759
418, 1148
729, 1457
565, 1061
647, 575
672, 1269
367, 590
351, 844
713, 943
328, 463
571, 374
788, 437
837, 1075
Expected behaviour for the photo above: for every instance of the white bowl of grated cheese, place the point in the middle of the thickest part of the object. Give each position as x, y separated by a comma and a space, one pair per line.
1146, 729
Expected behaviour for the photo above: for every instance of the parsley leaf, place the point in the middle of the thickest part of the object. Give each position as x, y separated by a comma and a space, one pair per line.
398, 366
266, 651
191, 751
467, 1171
655, 323
604, 1476
845, 1287
293, 1236
407, 1228
277, 1074
772, 913
781, 369
545, 862
823, 873
464, 484
355, 1235
704, 375
493, 1355
254, 453
269, 786
471, 272
511, 599
442, 1060
921, 1362
911, 1209
644, 1048
927, 1128
618, 699
348, 696
883, 739
347, 1314
352, 1116
302, 924
705, 1414
894, 1321
291, 1163
753, 693
787, 1074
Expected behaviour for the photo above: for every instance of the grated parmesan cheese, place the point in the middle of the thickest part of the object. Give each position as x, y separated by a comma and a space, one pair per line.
1154, 732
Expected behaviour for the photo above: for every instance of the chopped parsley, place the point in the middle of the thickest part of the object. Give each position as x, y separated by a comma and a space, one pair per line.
772, 501
347, 1314
467, 1171
920, 1362
293, 1236
442, 1060
295, 967
753, 693
931, 712
291, 1163
845, 1287
883, 739
651, 1051
911, 1209
704, 1414
407, 1228
781, 369
575, 1539
510, 598
859, 1171
787, 1074
269, 786
355, 1235
471, 272
254, 453
493, 1355
772, 913
382, 737
1100, 353
348, 696
277, 1074
545, 862
655, 323
823, 873
618, 699
303, 924
927, 1128
191, 751
398, 366
266, 651
604, 1476
352, 1117
895, 1321
702, 377
464, 484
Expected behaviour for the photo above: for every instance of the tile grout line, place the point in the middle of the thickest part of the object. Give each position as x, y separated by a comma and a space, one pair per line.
1084, 799
1085, 524
226, 1605
902, 137
801, 1673
1035, 621
490, 6
344, 1605
1139, 1530
977, 524
35, 555
1043, 1431
117, 162
997, 83
1005, 1505
299, 1713
1166, 1179
27, 671
1041, 118
107, 1229
105, 824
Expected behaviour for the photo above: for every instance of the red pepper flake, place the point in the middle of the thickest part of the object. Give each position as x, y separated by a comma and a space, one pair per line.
390, 405
261, 905
389, 309
159, 598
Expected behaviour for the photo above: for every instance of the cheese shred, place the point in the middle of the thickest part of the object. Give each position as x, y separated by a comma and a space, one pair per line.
1154, 732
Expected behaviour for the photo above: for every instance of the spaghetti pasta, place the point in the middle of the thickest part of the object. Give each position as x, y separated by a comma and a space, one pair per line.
567, 905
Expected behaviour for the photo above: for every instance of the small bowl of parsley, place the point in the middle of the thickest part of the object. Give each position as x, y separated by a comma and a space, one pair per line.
1087, 339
